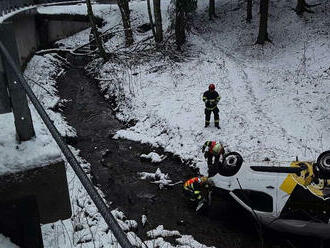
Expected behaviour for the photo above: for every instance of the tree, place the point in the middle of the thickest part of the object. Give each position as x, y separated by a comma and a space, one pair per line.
263, 34
212, 9
150, 19
249, 11
158, 21
182, 9
125, 15
96, 34
180, 23
302, 7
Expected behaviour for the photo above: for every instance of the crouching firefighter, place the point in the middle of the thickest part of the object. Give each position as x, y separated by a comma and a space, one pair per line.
212, 152
198, 191
211, 99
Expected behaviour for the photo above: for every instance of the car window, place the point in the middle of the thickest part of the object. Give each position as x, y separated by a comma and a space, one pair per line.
256, 200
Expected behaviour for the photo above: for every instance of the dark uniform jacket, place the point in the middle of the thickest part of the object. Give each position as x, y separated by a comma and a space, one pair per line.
211, 99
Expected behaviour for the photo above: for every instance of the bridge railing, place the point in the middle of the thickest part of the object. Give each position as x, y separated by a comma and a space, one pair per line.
7, 6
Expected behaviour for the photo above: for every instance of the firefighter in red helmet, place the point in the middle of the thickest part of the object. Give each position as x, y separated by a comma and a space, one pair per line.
213, 151
211, 99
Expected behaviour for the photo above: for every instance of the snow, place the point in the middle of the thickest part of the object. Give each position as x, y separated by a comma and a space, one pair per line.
41, 73
42, 149
13, 13
275, 98
160, 232
159, 178
188, 241
76, 9
153, 157
4, 17
38, 151
6, 243
86, 228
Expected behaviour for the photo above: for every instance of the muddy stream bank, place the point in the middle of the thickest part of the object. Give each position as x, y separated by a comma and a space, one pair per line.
224, 225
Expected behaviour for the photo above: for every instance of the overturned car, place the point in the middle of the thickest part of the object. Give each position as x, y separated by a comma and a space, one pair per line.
293, 198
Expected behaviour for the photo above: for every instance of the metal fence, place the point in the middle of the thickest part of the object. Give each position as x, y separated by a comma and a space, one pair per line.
7, 6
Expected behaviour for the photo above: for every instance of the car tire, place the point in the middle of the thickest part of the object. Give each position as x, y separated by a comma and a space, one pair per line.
323, 163
232, 163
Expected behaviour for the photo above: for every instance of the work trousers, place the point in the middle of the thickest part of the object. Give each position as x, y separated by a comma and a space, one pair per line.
208, 116
213, 166
210, 157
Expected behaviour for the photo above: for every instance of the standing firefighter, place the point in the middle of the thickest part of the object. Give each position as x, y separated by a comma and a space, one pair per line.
212, 150
211, 99
197, 190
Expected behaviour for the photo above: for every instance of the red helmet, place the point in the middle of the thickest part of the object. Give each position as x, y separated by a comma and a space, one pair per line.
211, 87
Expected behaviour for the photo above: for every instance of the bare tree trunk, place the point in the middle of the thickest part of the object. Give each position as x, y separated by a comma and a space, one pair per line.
249, 11
95, 32
158, 21
125, 15
150, 19
212, 9
180, 23
302, 7
263, 34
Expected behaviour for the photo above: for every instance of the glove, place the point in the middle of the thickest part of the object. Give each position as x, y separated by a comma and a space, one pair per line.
197, 194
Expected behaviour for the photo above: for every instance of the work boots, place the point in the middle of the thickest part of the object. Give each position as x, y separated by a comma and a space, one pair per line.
216, 124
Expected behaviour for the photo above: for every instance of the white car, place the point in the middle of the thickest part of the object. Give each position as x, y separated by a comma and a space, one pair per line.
295, 198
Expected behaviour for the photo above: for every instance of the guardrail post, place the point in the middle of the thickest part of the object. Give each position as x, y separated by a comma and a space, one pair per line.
22, 114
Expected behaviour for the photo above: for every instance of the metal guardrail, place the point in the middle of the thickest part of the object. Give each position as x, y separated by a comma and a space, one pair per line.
88, 185
7, 6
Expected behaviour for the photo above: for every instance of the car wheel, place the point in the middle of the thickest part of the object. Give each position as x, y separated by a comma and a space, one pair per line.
231, 164
323, 163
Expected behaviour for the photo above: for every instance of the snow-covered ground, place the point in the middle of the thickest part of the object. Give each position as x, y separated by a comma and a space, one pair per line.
86, 227
6, 243
275, 98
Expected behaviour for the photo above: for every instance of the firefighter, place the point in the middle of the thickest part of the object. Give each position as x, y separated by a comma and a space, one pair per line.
197, 190
212, 149
211, 99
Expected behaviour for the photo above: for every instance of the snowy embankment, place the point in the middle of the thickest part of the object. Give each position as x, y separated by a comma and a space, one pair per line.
275, 98
86, 228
